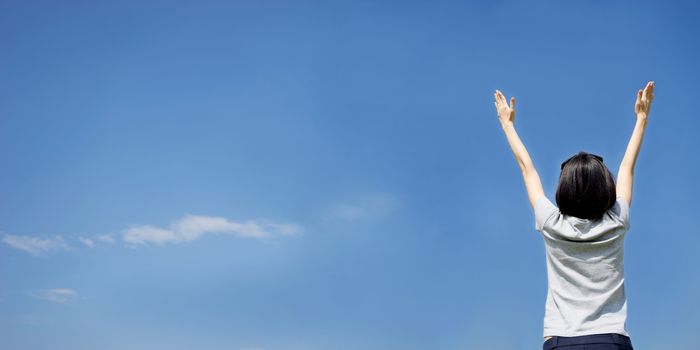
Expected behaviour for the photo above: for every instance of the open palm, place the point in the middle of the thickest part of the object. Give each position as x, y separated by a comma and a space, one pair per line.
644, 99
506, 113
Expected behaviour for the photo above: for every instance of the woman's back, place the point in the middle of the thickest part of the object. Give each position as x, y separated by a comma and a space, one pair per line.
585, 270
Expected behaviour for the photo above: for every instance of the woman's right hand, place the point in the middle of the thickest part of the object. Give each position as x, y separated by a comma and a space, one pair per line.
644, 99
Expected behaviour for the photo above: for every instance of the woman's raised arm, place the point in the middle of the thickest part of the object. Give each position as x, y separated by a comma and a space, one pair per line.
625, 174
506, 115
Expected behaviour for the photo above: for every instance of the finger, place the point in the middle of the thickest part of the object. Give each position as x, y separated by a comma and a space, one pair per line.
512, 103
639, 95
649, 92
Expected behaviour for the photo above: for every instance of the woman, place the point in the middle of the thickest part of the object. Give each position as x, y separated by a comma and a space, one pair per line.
584, 233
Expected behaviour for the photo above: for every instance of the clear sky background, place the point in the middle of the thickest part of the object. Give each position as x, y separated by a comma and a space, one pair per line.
317, 175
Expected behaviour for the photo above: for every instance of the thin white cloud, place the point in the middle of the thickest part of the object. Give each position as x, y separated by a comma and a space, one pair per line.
186, 229
107, 238
371, 206
87, 241
56, 295
149, 234
285, 229
192, 227
34, 245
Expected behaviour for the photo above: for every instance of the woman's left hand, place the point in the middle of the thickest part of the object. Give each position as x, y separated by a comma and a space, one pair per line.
506, 114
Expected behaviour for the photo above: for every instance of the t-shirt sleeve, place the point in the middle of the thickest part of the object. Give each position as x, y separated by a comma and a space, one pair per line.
622, 210
544, 210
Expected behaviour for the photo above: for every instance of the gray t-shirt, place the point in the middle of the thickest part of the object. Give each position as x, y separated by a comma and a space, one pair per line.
585, 270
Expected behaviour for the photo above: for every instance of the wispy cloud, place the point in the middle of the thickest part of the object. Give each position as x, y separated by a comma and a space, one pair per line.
56, 295
107, 238
366, 207
149, 234
193, 227
186, 229
34, 245
87, 241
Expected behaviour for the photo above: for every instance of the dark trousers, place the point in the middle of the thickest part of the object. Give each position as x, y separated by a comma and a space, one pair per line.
604, 341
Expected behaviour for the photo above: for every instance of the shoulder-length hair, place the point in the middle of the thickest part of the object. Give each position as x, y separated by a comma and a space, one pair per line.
586, 187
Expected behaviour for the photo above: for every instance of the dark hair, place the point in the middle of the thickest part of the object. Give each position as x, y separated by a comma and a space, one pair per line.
586, 187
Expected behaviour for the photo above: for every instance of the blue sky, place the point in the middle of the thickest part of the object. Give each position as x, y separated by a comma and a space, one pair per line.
316, 175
